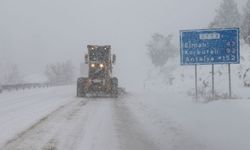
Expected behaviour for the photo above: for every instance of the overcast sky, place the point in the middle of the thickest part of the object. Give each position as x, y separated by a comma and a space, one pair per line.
34, 33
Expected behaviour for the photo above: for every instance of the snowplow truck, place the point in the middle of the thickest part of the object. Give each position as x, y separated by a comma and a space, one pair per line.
99, 81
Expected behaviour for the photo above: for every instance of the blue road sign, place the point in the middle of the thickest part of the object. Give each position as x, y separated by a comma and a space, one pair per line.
210, 46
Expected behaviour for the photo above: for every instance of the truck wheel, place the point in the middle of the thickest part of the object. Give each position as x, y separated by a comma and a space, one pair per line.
80, 87
114, 83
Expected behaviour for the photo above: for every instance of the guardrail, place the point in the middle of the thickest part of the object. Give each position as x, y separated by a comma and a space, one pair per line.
23, 86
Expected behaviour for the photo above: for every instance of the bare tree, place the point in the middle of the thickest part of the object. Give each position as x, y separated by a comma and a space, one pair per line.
227, 15
10, 74
60, 73
160, 49
245, 27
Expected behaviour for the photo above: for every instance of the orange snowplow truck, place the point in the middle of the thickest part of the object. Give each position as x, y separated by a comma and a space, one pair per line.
99, 81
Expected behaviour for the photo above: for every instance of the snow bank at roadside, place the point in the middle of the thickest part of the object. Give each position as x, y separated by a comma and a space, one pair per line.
223, 124
21, 109
170, 116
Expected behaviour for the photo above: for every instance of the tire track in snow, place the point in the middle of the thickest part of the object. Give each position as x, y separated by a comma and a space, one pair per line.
20, 137
130, 132
51, 145
40, 135
100, 133
168, 133
82, 124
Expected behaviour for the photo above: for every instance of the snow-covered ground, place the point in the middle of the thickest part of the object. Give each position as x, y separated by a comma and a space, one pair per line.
218, 125
19, 110
54, 119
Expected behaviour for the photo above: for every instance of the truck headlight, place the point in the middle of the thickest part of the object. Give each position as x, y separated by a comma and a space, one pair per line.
92, 65
101, 65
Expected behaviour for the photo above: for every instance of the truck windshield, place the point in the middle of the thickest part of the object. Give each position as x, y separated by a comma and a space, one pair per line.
99, 55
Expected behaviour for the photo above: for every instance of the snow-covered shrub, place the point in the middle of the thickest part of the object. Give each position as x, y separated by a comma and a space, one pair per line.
245, 27
227, 15
160, 49
10, 74
244, 67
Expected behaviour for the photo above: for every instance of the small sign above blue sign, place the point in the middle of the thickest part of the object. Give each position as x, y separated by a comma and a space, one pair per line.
210, 46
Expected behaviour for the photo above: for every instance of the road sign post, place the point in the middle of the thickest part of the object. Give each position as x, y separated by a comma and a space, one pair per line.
229, 77
209, 47
213, 93
196, 86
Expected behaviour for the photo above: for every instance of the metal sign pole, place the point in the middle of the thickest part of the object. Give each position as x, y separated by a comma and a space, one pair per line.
196, 87
229, 76
213, 94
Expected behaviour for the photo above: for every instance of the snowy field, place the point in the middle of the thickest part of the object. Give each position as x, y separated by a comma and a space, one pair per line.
54, 119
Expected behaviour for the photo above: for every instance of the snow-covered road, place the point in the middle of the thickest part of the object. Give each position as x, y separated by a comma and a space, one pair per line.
75, 125
54, 119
